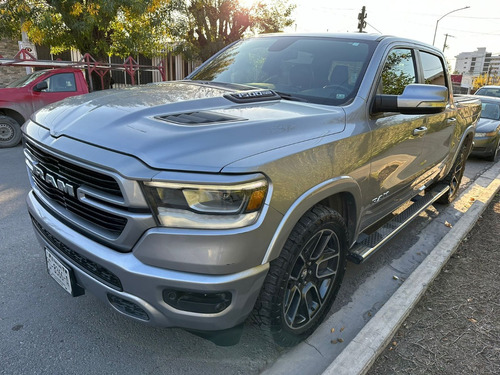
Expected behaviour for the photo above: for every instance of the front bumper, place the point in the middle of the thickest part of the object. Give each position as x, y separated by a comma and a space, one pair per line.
111, 275
484, 146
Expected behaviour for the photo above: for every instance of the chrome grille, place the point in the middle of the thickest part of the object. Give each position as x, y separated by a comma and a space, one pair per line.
78, 176
74, 173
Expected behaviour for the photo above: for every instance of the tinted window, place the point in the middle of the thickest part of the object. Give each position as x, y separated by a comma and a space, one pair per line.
320, 70
490, 111
489, 91
433, 69
61, 83
398, 72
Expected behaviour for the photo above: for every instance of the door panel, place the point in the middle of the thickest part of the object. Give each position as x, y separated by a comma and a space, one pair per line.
437, 141
396, 141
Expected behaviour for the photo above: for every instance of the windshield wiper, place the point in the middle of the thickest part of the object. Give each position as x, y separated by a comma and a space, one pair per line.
288, 96
234, 86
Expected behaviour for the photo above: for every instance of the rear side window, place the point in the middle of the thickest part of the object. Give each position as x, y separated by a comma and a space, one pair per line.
398, 72
433, 69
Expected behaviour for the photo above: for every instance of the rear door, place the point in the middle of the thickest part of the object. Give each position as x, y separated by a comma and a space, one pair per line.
438, 137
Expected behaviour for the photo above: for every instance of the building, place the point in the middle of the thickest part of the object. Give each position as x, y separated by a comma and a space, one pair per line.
474, 64
8, 74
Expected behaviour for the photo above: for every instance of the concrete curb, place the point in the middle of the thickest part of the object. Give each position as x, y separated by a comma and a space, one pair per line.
363, 350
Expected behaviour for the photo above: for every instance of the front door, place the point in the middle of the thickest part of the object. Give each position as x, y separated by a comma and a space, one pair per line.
60, 86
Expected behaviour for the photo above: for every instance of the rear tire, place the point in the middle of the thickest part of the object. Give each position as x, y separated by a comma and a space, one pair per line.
455, 175
10, 132
304, 280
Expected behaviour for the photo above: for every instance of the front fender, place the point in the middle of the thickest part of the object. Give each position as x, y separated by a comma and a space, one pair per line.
318, 193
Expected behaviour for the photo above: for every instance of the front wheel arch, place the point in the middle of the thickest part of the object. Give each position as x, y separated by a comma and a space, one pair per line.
342, 194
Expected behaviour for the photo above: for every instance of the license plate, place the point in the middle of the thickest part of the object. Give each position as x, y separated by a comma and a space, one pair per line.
59, 271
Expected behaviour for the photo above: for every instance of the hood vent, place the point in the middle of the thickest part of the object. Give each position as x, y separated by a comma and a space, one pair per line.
199, 118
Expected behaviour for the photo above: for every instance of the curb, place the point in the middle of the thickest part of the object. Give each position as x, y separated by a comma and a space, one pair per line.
363, 350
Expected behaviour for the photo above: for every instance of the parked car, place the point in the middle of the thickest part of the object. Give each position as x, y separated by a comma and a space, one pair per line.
248, 185
489, 91
487, 138
21, 98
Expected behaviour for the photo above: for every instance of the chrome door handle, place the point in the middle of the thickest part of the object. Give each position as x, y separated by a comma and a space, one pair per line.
420, 131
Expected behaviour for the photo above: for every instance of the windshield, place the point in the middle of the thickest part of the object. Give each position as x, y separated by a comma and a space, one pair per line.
316, 69
489, 91
21, 82
490, 111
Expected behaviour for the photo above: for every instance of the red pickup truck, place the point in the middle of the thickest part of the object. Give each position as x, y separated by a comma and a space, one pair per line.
26, 95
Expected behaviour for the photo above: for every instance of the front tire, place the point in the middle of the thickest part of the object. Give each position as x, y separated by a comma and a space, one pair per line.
304, 280
10, 132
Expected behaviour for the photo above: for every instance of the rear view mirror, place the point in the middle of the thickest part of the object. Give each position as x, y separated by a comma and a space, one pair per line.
40, 86
415, 99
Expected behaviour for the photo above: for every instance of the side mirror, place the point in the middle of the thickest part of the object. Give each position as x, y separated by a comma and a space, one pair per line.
416, 99
40, 86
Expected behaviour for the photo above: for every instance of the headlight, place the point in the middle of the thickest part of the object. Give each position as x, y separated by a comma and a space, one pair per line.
490, 134
207, 206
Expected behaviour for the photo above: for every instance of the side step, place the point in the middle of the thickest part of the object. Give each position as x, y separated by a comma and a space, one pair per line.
368, 244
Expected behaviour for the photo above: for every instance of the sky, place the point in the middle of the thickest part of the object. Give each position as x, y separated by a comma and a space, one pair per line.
469, 29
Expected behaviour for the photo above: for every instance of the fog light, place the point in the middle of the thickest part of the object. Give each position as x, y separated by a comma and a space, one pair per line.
205, 303
128, 307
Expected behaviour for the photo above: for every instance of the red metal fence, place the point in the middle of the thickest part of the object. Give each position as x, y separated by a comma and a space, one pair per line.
25, 59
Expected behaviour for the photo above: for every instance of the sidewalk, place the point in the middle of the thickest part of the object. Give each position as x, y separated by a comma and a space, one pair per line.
455, 328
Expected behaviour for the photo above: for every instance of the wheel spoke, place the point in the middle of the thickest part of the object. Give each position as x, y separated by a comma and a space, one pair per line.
327, 266
298, 268
293, 305
324, 238
312, 300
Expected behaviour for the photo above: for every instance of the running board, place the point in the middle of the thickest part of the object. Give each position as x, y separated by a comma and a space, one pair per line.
368, 244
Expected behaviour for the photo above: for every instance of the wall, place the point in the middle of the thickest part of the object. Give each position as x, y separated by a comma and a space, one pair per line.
8, 49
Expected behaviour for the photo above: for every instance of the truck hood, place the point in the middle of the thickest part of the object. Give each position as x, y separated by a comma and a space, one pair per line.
186, 125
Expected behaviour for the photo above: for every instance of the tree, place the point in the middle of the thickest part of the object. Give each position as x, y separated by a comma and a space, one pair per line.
98, 27
486, 79
206, 26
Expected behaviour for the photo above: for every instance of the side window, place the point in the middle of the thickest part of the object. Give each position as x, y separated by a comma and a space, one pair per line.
61, 82
398, 72
433, 69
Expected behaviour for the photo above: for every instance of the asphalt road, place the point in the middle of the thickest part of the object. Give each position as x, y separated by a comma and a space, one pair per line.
45, 331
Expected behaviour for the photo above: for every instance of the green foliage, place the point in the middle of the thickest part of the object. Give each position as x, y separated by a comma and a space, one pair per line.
486, 79
206, 26
98, 27
396, 76
198, 28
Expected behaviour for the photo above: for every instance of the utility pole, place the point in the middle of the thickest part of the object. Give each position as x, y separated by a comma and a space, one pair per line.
361, 19
446, 39
25, 40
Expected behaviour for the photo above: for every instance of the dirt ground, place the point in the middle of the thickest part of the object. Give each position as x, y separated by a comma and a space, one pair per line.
455, 327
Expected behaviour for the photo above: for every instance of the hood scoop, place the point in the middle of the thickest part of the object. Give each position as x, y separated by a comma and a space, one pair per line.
199, 118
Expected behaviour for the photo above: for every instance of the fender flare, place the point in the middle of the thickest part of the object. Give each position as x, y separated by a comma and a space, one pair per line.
328, 188
469, 131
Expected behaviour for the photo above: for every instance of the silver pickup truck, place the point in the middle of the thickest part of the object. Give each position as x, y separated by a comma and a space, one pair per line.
247, 186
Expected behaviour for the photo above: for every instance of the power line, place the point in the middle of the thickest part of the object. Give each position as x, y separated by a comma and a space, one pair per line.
497, 32
373, 27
